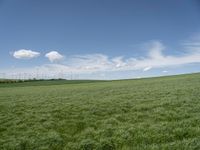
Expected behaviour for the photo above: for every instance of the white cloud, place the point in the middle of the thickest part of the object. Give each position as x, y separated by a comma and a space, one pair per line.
54, 56
86, 64
118, 62
25, 54
147, 68
164, 71
154, 59
193, 44
155, 50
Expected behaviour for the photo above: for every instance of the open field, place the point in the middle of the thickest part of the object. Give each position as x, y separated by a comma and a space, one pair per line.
23, 83
156, 113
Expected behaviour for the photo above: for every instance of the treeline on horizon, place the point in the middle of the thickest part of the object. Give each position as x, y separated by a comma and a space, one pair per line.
26, 80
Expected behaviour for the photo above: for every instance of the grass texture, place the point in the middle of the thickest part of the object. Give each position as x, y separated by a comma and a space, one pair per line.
147, 114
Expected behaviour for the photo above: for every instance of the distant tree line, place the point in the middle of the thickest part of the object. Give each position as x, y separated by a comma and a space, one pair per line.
27, 80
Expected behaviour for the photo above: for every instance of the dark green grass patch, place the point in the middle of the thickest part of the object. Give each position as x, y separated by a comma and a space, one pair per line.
157, 113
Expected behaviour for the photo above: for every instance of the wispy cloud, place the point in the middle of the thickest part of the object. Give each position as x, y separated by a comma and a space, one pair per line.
164, 71
54, 56
25, 54
147, 68
86, 64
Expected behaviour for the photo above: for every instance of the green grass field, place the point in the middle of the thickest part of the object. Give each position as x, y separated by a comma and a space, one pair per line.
152, 114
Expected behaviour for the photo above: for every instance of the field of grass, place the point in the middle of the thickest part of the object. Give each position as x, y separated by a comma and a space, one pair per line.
152, 114
23, 83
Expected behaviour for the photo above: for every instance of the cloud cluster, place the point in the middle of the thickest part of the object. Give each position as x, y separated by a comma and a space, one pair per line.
86, 64
154, 59
25, 54
53, 56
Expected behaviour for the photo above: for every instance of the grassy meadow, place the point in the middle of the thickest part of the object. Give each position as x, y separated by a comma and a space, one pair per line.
147, 114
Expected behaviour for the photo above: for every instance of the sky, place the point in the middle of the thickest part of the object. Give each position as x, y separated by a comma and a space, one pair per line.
98, 39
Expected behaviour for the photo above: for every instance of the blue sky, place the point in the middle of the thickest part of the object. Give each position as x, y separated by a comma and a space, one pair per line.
104, 39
